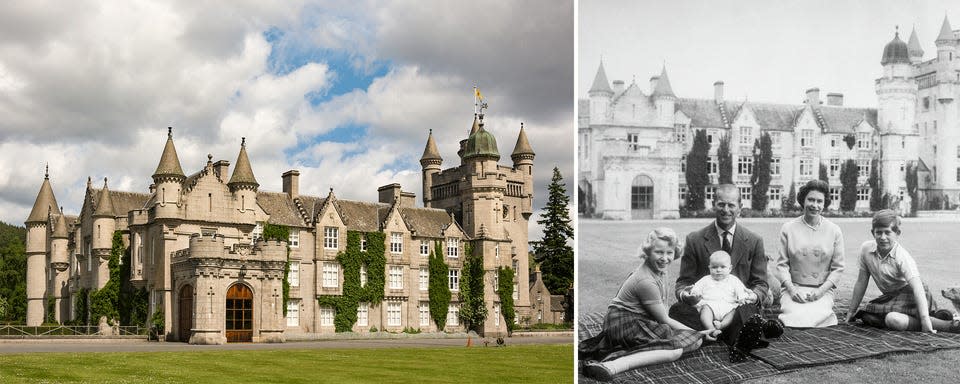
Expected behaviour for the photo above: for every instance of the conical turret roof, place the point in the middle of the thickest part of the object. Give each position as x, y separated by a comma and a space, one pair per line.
46, 202
430, 151
913, 46
60, 228
663, 85
169, 162
104, 203
523, 146
243, 173
946, 33
600, 83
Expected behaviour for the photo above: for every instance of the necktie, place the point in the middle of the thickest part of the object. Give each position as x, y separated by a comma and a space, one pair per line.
726, 241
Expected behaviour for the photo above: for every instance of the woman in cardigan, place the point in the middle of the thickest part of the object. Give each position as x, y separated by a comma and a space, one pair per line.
810, 261
636, 330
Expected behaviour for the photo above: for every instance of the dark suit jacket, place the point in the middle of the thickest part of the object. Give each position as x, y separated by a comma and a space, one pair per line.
747, 259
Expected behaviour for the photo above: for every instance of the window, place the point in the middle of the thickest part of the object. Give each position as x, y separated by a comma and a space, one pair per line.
681, 132
834, 167
330, 275
774, 166
835, 194
926, 103
746, 193
683, 194
710, 137
496, 314
863, 194
293, 277
516, 291
331, 236
293, 313
453, 315
453, 247
363, 275
745, 165
396, 277
774, 139
454, 280
294, 239
396, 242
863, 167
806, 167
424, 279
806, 138
708, 192
363, 243
424, 309
774, 194
746, 135
641, 193
683, 163
863, 140
363, 313
326, 316
393, 314
424, 247
712, 167
834, 141
632, 141
257, 233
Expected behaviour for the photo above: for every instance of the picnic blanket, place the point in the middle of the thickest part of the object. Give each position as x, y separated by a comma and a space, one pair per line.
795, 349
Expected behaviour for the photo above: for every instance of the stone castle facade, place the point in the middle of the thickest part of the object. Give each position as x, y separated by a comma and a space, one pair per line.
633, 142
195, 244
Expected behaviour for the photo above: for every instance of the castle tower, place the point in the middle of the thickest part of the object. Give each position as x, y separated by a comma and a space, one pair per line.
102, 241
523, 161
430, 164
665, 99
913, 47
946, 51
58, 267
484, 188
600, 94
167, 179
897, 94
38, 241
242, 183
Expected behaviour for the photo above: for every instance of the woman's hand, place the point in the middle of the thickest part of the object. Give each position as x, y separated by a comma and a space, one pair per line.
795, 295
710, 334
815, 295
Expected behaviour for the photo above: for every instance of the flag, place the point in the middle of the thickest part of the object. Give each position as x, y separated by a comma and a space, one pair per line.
477, 92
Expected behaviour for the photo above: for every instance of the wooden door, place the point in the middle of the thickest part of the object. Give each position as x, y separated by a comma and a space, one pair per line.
186, 313
239, 316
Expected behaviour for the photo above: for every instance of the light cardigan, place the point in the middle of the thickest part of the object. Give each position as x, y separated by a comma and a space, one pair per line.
809, 256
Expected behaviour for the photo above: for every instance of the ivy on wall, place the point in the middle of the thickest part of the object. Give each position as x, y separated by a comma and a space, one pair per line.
473, 310
134, 302
81, 307
105, 302
439, 288
505, 291
281, 233
354, 293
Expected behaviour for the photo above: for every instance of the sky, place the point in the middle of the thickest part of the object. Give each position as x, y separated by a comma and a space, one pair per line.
343, 91
763, 51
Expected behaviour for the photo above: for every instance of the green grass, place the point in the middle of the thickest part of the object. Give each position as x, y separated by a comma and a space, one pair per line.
522, 363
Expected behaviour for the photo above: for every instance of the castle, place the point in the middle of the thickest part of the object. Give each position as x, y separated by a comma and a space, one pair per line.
632, 143
195, 244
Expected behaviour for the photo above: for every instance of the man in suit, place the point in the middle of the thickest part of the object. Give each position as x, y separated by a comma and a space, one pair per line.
748, 260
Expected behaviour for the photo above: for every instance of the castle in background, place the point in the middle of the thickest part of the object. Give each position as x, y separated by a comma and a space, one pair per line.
196, 244
633, 144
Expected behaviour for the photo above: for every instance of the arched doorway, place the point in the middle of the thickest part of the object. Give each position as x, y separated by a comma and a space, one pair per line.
186, 313
641, 197
239, 314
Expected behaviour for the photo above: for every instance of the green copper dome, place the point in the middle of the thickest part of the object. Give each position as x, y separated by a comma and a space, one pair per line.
481, 144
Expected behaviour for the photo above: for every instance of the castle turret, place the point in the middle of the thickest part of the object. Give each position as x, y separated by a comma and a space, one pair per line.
38, 240
59, 263
664, 99
914, 49
242, 183
167, 180
600, 94
430, 164
523, 161
897, 101
102, 241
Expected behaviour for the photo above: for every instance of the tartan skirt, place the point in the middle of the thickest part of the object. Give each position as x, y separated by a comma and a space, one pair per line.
901, 301
625, 333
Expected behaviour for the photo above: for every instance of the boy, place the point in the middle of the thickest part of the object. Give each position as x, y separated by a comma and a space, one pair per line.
719, 293
905, 304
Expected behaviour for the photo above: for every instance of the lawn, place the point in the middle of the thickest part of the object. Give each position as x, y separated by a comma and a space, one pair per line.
521, 363
607, 252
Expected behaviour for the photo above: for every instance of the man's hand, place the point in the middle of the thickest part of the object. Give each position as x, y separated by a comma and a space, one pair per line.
751, 298
690, 298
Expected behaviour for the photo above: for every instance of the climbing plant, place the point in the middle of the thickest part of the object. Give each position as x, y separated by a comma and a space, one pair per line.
505, 292
439, 288
281, 233
105, 302
473, 311
354, 291
133, 302
81, 307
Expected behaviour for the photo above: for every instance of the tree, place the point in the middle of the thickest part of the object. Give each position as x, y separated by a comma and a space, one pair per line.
505, 277
725, 160
760, 179
473, 311
105, 302
697, 171
438, 290
911, 180
554, 252
133, 302
790, 202
848, 185
823, 174
13, 272
876, 194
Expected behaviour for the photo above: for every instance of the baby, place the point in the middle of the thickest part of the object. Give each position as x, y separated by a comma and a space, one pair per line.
720, 293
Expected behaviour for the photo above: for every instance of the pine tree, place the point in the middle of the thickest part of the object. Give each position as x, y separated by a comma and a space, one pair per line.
760, 179
439, 288
823, 174
848, 188
790, 202
697, 171
876, 194
725, 160
911, 180
554, 252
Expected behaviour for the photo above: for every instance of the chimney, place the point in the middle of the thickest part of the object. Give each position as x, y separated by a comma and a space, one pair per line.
653, 83
835, 99
408, 199
291, 183
221, 168
718, 91
617, 86
389, 193
813, 96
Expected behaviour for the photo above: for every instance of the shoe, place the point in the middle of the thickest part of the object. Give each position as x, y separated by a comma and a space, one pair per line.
954, 327
772, 328
942, 314
597, 371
